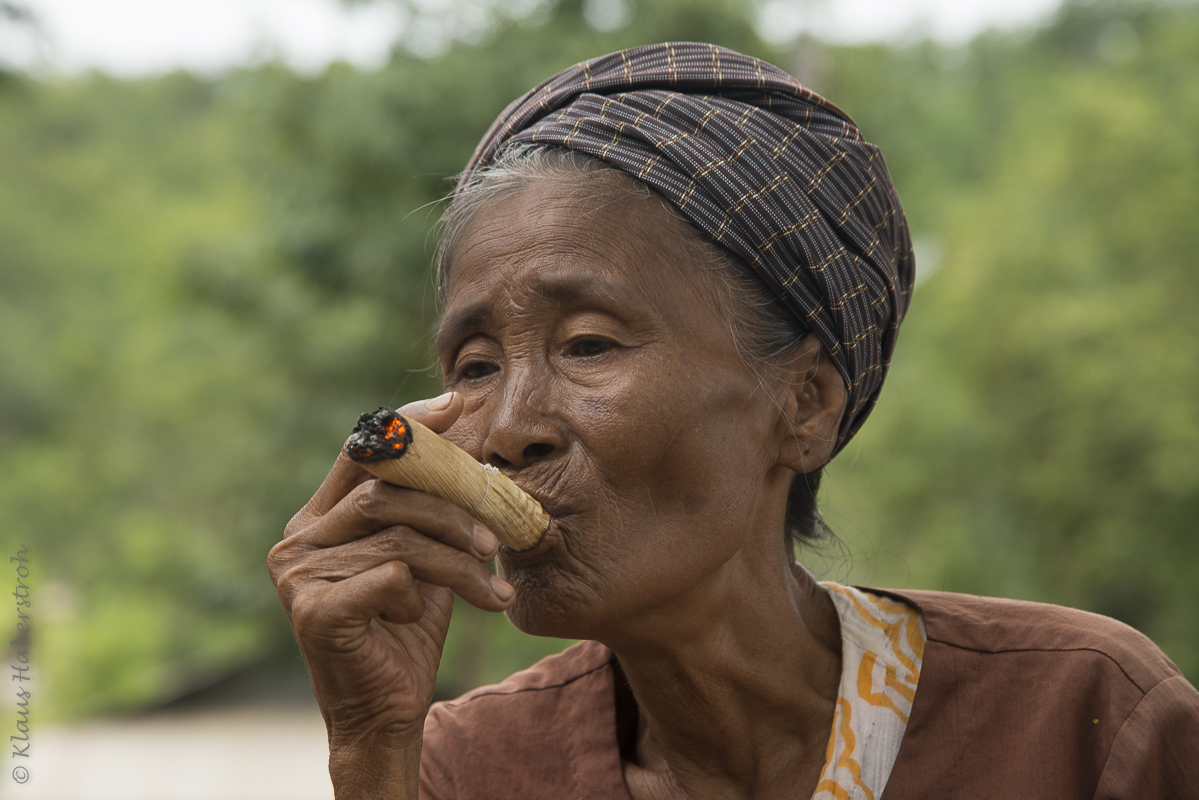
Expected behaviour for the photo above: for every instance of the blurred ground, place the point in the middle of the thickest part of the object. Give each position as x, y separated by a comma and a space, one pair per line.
253, 734
275, 752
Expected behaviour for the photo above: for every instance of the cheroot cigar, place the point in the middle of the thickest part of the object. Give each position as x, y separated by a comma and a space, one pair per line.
406, 453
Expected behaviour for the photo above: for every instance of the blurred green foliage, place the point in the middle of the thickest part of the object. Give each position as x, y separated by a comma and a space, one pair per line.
203, 281
1039, 432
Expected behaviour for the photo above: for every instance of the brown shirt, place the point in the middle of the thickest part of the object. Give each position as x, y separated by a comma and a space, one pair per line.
1015, 700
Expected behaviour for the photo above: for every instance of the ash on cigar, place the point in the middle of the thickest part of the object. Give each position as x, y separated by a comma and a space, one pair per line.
378, 436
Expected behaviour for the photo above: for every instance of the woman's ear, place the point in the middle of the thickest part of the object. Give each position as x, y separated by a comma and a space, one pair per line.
813, 404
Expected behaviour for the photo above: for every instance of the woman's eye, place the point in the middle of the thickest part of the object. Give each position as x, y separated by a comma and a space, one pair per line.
589, 347
474, 370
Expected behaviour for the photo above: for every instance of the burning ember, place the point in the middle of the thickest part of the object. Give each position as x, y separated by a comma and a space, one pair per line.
379, 436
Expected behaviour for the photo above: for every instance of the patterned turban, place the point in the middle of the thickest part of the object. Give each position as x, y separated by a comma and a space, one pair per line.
763, 166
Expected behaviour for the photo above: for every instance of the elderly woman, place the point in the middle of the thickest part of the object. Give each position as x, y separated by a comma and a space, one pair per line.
673, 279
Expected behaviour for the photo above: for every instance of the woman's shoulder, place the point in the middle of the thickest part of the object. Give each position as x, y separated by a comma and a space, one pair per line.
1022, 699
992, 625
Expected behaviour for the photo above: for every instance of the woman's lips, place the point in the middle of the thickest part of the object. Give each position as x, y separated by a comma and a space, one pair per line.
552, 535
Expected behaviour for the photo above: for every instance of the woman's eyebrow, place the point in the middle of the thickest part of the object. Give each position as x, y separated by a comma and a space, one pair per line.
564, 292
573, 290
454, 326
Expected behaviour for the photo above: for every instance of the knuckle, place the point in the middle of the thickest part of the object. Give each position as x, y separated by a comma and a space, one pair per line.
297, 523
396, 541
289, 584
305, 613
398, 574
466, 571
278, 559
369, 499
467, 563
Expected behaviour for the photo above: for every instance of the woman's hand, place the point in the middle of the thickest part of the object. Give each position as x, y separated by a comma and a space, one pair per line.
367, 574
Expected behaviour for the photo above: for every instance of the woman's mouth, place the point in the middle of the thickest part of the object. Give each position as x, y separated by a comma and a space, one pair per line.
552, 536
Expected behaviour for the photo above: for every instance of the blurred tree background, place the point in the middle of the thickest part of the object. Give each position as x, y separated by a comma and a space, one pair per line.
204, 280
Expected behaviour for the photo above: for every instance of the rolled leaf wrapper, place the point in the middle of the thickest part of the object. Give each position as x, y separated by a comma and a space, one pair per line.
405, 453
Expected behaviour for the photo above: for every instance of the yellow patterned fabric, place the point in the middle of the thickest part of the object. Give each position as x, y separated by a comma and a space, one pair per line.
882, 649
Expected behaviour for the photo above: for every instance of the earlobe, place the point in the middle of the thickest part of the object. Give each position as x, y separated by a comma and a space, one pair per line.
815, 402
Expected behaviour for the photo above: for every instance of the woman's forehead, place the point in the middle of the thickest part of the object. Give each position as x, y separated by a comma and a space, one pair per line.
563, 246
479, 304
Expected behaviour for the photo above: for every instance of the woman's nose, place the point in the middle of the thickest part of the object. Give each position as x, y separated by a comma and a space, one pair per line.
522, 432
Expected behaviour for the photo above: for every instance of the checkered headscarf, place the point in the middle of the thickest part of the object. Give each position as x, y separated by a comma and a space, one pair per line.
763, 166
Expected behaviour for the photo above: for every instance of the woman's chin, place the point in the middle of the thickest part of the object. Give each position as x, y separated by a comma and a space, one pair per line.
550, 603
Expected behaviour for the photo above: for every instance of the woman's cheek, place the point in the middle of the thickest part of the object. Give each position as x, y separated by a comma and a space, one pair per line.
468, 431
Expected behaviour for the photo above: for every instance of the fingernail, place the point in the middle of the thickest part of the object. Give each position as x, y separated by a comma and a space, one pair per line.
485, 541
441, 402
503, 590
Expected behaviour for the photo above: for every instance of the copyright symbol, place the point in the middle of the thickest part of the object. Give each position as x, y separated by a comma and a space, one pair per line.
20, 774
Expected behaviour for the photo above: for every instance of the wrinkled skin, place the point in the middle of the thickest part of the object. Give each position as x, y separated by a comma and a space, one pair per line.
587, 362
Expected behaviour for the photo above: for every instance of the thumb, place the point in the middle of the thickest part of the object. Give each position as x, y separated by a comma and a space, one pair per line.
437, 413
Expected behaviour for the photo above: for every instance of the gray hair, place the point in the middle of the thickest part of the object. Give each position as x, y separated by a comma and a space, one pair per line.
763, 330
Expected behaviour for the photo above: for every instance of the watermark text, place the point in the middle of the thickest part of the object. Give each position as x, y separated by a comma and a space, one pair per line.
20, 666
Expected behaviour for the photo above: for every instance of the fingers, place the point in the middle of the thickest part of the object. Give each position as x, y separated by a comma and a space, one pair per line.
378, 522
356, 526
375, 505
427, 560
341, 480
437, 413
340, 609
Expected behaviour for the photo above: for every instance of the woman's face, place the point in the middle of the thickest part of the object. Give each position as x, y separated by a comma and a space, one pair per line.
597, 374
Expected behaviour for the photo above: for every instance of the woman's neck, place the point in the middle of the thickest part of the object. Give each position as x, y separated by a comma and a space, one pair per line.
742, 703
